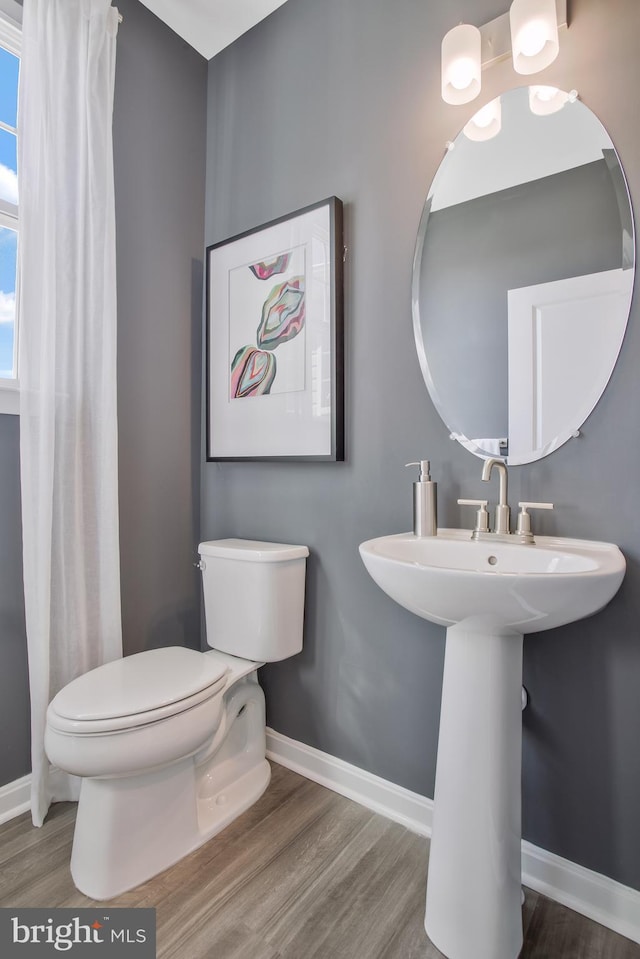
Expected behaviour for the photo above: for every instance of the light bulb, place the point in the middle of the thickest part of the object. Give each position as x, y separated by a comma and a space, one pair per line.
545, 93
534, 34
486, 123
461, 73
484, 116
533, 38
543, 101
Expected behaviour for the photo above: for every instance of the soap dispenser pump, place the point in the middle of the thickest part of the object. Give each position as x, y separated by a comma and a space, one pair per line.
425, 504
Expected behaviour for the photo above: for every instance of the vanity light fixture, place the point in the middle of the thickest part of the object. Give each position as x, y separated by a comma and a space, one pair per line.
461, 64
486, 123
544, 101
534, 34
528, 33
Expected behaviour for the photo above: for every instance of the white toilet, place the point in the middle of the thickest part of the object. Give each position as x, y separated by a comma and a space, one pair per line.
170, 743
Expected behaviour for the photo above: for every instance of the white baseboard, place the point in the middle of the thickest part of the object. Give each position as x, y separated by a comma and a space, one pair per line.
599, 898
15, 798
602, 899
403, 806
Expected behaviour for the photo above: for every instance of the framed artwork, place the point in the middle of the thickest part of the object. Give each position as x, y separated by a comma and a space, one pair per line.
274, 340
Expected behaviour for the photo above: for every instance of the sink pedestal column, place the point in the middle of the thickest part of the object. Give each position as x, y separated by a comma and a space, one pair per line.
473, 890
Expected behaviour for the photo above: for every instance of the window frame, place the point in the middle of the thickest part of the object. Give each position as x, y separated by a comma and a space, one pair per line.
11, 40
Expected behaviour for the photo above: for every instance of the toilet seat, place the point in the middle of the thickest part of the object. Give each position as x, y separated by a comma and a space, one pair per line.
136, 690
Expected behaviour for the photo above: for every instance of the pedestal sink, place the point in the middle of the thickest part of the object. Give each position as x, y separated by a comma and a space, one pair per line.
488, 595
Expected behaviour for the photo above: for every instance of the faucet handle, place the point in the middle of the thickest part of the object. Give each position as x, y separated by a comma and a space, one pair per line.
524, 519
482, 516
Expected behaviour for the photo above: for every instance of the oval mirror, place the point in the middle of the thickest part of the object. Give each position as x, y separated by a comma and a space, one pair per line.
523, 274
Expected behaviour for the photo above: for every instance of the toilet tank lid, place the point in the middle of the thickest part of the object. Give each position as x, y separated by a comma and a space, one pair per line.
252, 551
139, 683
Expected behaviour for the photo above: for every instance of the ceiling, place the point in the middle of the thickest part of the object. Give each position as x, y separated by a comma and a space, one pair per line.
211, 25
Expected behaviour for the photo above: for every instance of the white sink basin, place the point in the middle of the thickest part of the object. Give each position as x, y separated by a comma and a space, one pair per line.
488, 595
450, 578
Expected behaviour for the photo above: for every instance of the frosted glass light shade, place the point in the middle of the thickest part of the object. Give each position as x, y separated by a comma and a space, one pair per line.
486, 123
534, 34
546, 100
461, 65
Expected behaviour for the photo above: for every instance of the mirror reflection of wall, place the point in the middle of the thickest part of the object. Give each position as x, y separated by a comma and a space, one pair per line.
522, 279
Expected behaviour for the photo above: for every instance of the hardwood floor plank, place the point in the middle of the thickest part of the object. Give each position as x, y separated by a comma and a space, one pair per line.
275, 889
352, 908
528, 909
38, 872
222, 941
19, 835
557, 931
237, 862
409, 939
303, 874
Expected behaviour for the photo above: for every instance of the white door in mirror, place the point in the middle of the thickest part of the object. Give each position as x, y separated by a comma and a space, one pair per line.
563, 342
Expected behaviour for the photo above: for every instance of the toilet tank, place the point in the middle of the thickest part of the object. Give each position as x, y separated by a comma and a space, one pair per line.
253, 597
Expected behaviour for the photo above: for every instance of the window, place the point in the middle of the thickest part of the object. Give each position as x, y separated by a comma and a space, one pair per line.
9, 67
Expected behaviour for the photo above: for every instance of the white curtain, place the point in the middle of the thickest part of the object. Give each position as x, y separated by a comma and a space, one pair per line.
67, 357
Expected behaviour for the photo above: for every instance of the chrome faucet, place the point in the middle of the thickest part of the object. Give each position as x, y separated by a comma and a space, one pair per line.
503, 513
523, 532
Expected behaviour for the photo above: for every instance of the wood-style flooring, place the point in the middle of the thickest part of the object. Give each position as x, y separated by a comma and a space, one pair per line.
304, 874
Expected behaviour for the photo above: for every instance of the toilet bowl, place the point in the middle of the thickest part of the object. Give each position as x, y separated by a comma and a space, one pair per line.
170, 743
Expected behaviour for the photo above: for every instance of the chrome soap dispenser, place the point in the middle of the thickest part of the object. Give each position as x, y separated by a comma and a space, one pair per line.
425, 503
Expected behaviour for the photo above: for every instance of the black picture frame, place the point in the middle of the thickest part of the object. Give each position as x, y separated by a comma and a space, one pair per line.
275, 340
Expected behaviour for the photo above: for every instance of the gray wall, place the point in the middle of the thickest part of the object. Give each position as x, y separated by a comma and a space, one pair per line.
159, 155
343, 97
15, 760
159, 150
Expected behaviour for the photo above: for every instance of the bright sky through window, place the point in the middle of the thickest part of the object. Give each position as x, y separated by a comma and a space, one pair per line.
9, 65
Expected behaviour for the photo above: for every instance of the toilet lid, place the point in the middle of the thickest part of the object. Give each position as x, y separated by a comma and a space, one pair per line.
139, 684
252, 551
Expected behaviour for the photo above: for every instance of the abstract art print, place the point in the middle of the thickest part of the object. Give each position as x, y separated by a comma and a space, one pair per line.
274, 340
267, 308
